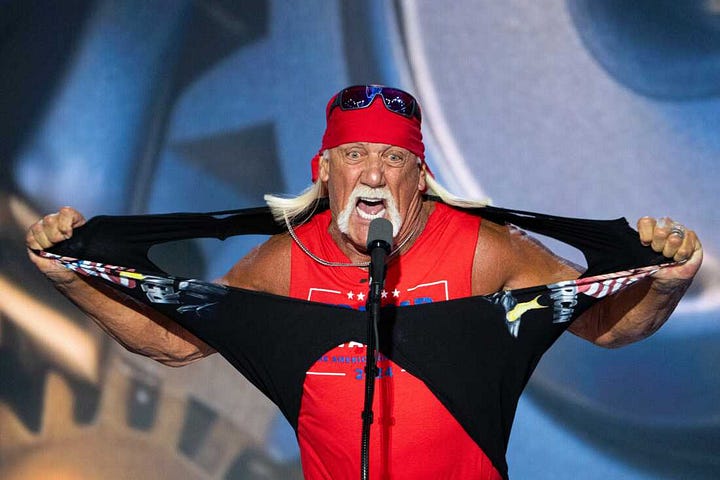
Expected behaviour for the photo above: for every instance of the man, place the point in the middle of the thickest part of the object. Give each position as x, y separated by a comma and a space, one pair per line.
371, 165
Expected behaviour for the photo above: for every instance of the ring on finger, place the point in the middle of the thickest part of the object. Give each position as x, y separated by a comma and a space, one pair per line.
677, 229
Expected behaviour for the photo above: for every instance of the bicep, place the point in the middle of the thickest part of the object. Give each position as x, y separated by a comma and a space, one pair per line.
511, 259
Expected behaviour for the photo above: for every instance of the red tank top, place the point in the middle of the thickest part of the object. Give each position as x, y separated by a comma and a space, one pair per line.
413, 436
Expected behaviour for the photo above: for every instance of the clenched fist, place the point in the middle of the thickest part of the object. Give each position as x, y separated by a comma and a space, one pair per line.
48, 231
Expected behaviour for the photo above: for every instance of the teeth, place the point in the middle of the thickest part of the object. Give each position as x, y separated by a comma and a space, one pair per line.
368, 216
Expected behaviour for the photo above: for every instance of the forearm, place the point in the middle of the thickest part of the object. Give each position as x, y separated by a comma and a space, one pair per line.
632, 314
642, 308
136, 327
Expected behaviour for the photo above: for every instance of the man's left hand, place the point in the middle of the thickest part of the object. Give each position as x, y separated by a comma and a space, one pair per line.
676, 242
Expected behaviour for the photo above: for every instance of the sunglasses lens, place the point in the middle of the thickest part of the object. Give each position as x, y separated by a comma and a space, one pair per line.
356, 97
398, 101
361, 96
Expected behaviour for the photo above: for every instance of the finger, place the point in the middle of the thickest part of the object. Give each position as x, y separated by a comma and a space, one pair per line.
41, 262
689, 246
675, 239
52, 269
50, 227
69, 219
30, 240
645, 227
660, 233
37, 238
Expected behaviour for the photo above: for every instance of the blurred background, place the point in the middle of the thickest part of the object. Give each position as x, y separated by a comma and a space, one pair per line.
572, 107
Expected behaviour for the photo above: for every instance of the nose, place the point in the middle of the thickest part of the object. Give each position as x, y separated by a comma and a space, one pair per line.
373, 175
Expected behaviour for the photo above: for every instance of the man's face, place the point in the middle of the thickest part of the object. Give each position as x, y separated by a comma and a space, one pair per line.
372, 180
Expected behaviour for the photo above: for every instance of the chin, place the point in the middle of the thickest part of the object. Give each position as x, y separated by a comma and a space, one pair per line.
358, 235
357, 228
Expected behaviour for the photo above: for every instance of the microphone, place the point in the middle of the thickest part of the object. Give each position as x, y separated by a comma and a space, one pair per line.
378, 246
379, 240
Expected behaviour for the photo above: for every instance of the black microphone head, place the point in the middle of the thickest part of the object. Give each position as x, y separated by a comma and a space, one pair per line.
380, 234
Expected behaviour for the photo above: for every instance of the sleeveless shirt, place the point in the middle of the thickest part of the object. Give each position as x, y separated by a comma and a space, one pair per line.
490, 343
413, 435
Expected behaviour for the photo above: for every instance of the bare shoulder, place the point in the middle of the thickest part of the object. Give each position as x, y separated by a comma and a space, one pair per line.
266, 268
507, 257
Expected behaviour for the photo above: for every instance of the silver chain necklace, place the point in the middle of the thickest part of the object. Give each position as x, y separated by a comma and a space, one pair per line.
336, 264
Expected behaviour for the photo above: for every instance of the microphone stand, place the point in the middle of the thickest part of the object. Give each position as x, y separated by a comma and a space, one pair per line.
379, 248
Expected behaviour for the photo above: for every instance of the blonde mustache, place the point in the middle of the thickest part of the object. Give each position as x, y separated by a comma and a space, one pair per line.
362, 191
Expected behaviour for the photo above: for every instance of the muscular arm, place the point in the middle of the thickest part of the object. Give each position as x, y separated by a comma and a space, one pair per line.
506, 258
136, 327
641, 309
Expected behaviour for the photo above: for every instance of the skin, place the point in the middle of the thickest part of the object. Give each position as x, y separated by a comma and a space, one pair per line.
505, 258
376, 166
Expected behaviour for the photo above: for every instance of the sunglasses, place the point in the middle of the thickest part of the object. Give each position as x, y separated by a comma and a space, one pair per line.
362, 96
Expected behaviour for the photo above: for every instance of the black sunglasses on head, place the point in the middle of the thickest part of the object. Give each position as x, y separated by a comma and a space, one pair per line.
362, 96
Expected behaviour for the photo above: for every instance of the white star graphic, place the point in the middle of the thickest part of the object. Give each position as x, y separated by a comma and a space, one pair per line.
351, 295
396, 293
361, 296
383, 294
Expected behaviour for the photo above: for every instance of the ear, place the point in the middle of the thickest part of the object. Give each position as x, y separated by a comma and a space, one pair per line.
324, 168
422, 184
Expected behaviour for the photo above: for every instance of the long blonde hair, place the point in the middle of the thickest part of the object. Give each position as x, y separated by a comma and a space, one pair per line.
288, 208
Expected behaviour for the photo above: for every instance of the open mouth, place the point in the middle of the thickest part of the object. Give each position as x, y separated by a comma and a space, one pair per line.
370, 208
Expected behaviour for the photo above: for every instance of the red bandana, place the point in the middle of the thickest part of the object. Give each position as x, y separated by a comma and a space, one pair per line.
374, 124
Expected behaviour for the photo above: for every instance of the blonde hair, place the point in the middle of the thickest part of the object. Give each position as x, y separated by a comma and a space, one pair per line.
434, 188
290, 208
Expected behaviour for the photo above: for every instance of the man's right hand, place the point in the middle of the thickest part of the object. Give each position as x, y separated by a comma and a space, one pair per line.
48, 231
139, 329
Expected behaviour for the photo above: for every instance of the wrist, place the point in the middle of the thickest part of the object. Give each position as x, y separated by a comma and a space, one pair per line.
62, 279
670, 286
